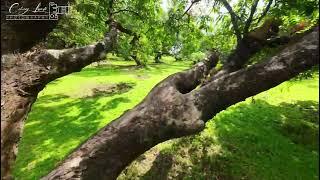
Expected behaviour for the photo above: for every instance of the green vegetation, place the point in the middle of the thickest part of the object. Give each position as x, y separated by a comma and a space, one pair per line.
272, 136
171, 30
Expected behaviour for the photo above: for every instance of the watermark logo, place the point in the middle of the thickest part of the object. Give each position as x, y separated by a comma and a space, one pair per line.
17, 12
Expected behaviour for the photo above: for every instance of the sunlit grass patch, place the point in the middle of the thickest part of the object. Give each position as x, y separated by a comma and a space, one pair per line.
273, 135
65, 113
270, 136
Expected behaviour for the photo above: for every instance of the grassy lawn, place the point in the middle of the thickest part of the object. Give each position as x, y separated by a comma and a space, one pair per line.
274, 136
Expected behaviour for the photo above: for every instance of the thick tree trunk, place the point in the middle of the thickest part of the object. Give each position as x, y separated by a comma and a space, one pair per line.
176, 108
23, 76
16, 109
159, 55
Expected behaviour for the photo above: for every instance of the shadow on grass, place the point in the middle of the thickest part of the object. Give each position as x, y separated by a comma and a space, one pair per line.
111, 70
114, 103
162, 164
56, 124
110, 89
248, 141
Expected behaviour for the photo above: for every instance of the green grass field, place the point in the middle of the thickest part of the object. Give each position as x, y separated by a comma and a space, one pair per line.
272, 136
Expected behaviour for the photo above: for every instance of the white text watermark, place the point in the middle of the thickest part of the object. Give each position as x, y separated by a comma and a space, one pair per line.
51, 11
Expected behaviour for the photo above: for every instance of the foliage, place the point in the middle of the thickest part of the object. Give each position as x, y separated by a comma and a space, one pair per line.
173, 30
196, 57
309, 74
78, 28
159, 31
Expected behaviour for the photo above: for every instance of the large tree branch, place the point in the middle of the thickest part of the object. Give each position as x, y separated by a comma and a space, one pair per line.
143, 124
124, 30
25, 75
133, 42
248, 45
170, 111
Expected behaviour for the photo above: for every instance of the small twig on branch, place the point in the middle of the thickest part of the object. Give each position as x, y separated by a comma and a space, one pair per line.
264, 13
249, 20
192, 3
128, 10
234, 19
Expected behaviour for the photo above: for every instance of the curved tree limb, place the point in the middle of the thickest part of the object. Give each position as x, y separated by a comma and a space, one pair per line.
171, 110
237, 86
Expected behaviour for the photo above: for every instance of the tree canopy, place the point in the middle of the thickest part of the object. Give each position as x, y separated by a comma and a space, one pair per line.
179, 28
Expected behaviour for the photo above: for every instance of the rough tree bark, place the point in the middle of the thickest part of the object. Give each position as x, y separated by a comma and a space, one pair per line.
247, 44
176, 108
23, 76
